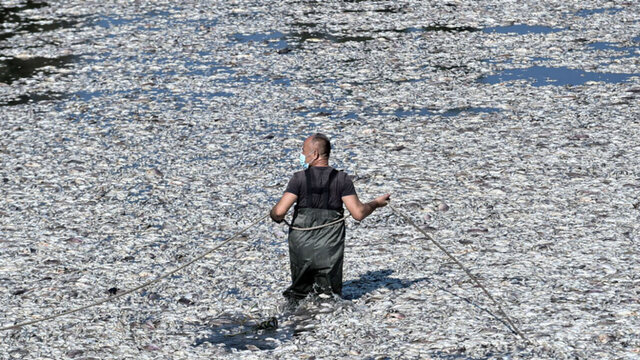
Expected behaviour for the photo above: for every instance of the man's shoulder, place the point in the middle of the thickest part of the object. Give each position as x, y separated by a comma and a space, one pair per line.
344, 175
298, 175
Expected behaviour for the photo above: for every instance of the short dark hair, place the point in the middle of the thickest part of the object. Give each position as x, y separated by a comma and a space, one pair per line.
322, 144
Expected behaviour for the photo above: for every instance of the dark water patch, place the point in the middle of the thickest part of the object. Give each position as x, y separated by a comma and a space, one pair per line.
432, 28
446, 28
451, 67
14, 23
319, 111
282, 81
243, 333
37, 27
508, 60
306, 25
157, 13
521, 29
285, 43
350, 116
110, 22
542, 76
32, 98
306, 36
274, 39
10, 13
12, 69
402, 113
589, 12
628, 51
220, 94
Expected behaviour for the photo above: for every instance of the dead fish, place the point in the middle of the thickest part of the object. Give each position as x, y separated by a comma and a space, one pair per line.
20, 292
271, 323
113, 291
185, 301
151, 347
154, 173
74, 353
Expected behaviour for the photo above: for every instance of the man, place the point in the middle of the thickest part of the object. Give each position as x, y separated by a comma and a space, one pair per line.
319, 192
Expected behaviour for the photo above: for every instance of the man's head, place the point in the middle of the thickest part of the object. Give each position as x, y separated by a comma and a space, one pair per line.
316, 150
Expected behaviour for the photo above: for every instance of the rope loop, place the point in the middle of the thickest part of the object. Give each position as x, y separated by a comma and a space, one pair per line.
270, 323
318, 226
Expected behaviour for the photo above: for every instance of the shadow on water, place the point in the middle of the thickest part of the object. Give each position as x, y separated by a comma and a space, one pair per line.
9, 14
434, 28
28, 98
558, 76
373, 280
386, 9
242, 333
15, 24
286, 42
13, 69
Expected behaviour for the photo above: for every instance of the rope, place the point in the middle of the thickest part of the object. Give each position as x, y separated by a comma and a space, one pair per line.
318, 226
256, 221
496, 303
150, 282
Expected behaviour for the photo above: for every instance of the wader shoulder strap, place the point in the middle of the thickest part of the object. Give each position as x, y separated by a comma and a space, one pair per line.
326, 192
307, 177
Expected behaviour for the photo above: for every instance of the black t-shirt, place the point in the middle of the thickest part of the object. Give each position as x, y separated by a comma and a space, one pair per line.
341, 186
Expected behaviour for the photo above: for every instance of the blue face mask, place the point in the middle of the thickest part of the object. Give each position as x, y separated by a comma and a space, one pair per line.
303, 162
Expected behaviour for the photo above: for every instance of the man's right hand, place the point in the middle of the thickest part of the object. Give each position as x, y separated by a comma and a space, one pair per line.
275, 218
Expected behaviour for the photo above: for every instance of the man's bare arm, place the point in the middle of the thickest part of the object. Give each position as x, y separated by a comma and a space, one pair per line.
280, 209
358, 210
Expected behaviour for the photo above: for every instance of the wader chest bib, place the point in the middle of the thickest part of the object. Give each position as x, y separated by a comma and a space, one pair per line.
316, 255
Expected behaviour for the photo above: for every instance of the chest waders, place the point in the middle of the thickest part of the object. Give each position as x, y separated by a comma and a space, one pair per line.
316, 255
